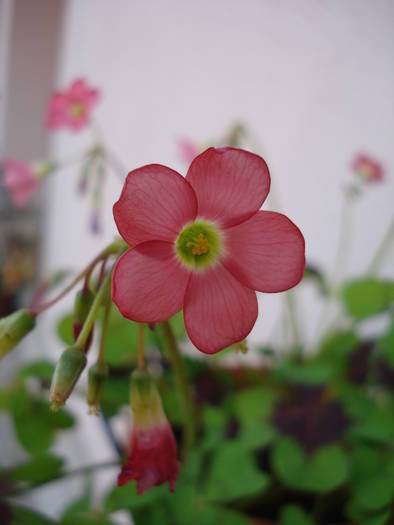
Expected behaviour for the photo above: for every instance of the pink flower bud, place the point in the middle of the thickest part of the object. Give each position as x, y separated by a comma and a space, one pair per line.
152, 457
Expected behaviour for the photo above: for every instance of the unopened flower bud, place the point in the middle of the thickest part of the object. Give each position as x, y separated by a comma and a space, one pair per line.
13, 328
98, 375
82, 304
241, 346
152, 457
45, 168
67, 372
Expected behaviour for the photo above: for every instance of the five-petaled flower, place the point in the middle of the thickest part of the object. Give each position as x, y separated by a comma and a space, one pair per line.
200, 243
72, 108
22, 179
152, 454
368, 169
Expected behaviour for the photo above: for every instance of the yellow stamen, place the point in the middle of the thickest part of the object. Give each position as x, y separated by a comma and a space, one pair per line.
199, 245
77, 110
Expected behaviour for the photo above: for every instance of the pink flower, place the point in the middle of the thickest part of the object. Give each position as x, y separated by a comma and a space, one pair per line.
187, 150
200, 243
21, 180
152, 455
367, 168
72, 108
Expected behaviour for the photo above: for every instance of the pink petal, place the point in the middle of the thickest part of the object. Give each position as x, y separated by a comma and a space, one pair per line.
231, 184
78, 88
218, 310
148, 283
154, 205
266, 253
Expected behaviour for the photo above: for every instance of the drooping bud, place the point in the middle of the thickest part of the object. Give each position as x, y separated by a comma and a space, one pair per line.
45, 168
152, 457
98, 375
241, 346
67, 372
13, 328
82, 304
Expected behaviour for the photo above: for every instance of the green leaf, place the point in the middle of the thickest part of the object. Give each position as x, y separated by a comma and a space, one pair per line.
310, 372
364, 298
126, 497
65, 330
42, 369
294, 515
24, 516
374, 493
38, 469
84, 518
257, 435
361, 517
35, 425
254, 404
234, 475
323, 471
386, 345
338, 345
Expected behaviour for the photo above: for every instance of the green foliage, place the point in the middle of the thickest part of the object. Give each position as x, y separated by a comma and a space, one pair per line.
386, 345
367, 297
40, 369
323, 471
186, 505
24, 516
38, 469
294, 515
234, 475
34, 424
307, 372
253, 404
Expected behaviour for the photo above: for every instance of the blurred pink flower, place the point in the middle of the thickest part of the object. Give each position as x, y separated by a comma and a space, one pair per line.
187, 150
21, 180
72, 108
367, 168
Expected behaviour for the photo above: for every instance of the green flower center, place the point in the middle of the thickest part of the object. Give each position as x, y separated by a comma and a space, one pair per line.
199, 244
77, 110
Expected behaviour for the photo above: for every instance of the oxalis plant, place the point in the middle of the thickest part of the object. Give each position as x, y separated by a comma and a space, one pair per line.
307, 440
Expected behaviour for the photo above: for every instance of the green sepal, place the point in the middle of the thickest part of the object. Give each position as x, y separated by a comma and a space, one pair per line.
13, 328
67, 372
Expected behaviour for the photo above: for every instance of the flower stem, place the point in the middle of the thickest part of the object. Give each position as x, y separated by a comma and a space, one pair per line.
98, 300
141, 353
104, 331
289, 298
183, 388
381, 251
341, 259
116, 247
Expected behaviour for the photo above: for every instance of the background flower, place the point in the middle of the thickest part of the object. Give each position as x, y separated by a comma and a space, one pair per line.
72, 108
21, 180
